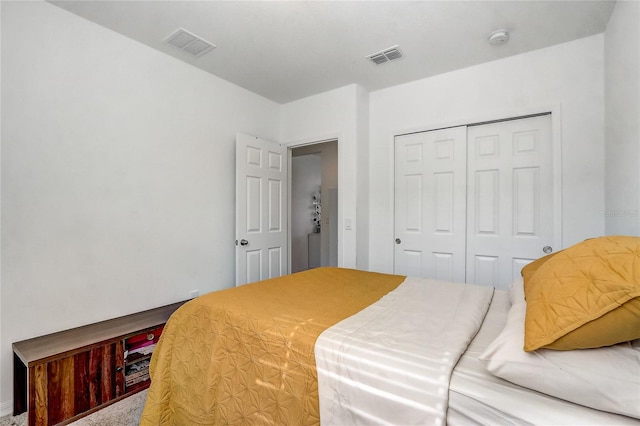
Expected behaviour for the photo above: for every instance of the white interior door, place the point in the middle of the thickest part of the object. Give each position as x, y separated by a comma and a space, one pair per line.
510, 202
261, 209
430, 220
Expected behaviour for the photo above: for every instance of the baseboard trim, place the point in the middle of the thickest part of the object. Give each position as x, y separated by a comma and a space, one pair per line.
6, 408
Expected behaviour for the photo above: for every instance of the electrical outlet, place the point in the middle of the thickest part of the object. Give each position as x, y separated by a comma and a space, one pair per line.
193, 294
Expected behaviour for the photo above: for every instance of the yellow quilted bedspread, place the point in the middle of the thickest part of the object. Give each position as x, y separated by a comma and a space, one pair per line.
246, 355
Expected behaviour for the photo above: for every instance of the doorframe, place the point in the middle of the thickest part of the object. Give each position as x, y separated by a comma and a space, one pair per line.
508, 114
300, 144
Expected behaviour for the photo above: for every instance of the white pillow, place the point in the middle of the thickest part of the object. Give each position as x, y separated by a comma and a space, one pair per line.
516, 291
606, 378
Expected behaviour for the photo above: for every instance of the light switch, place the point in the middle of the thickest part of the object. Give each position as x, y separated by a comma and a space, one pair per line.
347, 224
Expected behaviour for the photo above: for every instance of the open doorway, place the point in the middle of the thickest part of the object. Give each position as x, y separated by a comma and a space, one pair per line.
314, 206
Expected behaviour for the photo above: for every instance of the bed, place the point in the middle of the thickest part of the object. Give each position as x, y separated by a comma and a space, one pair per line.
339, 346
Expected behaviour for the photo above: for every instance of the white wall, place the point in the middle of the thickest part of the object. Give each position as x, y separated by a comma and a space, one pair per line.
117, 175
363, 187
569, 76
327, 116
622, 87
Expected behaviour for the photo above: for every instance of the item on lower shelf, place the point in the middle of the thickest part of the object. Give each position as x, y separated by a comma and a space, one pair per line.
138, 366
136, 373
135, 378
143, 350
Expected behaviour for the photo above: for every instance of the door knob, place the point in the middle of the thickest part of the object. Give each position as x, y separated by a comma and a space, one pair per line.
398, 240
244, 242
547, 249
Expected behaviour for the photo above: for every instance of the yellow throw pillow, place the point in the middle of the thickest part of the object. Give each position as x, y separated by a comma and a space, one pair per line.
586, 296
530, 269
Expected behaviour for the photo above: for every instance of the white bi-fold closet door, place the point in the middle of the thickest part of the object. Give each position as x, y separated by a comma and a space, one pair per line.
474, 203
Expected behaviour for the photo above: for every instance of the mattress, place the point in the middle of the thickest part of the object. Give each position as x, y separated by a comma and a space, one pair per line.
477, 397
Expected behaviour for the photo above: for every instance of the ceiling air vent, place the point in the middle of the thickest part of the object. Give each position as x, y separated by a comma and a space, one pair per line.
189, 42
385, 55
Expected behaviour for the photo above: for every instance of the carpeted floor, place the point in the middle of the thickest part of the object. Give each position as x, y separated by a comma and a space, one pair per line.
123, 413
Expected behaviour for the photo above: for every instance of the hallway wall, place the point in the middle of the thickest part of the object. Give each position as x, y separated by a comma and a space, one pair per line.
306, 178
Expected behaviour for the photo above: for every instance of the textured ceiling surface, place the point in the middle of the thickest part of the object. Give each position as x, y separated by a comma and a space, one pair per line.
287, 50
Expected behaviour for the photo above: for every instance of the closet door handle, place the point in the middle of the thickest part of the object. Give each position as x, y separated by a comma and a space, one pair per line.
547, 249
244, 242
398, 241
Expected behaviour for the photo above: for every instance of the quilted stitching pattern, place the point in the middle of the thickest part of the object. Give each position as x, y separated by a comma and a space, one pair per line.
246, 355
586, 296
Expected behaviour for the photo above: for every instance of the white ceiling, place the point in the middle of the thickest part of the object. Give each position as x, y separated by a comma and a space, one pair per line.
287, 50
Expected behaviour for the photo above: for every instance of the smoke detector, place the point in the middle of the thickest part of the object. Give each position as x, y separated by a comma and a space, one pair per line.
499, 37
389, 54
189, 42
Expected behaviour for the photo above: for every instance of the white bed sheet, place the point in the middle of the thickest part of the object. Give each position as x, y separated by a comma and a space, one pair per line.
477, 397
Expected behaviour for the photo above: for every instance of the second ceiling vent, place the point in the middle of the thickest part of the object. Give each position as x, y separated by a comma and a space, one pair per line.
386, 55
189, 42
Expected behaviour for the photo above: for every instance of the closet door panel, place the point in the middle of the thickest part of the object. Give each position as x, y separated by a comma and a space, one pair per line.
430, 224
443, 266
526, 209
510, 198
444, 202
486, 202
486, 269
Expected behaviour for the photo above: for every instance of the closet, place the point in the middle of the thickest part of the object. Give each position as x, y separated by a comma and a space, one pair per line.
475, 203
